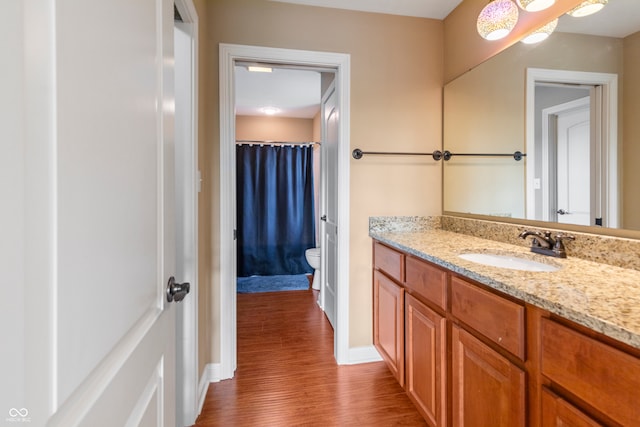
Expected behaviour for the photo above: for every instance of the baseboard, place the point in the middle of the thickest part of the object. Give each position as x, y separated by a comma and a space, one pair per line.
364, 354
210, 374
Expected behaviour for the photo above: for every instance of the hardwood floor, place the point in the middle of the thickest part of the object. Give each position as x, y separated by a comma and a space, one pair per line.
287, 375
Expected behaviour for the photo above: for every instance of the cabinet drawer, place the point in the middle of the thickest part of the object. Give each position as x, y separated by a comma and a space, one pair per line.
558, 412
500, 320
602, 376
426, 280
388, 260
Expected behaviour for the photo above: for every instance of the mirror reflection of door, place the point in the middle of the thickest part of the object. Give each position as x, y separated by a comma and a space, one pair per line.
568, 135
572, 147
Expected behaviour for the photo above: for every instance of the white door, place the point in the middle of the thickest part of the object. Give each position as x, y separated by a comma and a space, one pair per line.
329, 231
93, 151
574, 180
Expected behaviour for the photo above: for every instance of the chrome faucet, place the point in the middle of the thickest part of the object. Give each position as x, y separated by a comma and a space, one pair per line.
544, 244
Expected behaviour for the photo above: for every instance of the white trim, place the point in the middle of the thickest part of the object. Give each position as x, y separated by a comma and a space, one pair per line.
341, 63
187, 396
609, 152
363, 355
40, 206
210, 374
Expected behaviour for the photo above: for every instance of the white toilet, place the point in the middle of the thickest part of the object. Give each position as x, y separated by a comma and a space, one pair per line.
313, 258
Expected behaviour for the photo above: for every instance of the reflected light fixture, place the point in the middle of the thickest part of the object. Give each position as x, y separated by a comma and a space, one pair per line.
497, 19
587, 7
535, 5
541, 33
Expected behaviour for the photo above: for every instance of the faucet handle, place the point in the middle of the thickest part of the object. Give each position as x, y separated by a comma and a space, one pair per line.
560, 237
559, 245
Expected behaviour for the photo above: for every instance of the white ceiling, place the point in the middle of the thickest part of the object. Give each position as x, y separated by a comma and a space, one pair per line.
436, 9
297, 92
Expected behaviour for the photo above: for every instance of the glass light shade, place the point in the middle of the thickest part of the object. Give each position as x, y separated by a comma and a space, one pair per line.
587, 7
497, 19
535, 5
541, 33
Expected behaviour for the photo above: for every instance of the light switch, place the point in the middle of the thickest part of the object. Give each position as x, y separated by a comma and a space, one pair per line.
536, 183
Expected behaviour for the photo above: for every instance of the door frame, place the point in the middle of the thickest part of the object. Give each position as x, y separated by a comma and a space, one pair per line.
229, 54
608, 132
187, 375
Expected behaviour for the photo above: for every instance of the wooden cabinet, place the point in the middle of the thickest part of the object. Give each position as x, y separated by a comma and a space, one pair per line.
388, 323
605, 379
425, 356
500, 320
389, 261
427, 281
469, 356
487, 389
557, 412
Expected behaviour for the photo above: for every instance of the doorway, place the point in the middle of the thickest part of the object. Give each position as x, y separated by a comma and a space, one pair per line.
278, 158
229, 56
546, 97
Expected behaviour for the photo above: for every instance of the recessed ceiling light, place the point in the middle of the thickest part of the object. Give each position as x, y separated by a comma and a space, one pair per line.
259, 69
270, 111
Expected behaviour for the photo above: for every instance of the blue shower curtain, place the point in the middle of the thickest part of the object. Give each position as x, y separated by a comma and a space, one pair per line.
275, 217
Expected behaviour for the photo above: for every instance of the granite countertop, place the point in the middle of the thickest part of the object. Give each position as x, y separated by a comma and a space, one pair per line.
599, 296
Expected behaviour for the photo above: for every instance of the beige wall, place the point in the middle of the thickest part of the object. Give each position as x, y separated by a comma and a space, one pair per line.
283, 129
631, 132
396, 86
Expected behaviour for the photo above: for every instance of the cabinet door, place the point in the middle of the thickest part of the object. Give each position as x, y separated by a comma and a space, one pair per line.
388, 323
425, 359
487, 389
557, 412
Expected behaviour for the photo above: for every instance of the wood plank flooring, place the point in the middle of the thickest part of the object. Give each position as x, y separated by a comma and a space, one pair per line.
287, 375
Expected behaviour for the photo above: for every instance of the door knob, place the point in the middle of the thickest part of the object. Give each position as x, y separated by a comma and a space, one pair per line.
562, 212
177, 291
323, 218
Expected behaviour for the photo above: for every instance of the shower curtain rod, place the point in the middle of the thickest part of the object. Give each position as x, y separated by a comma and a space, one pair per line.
257, 141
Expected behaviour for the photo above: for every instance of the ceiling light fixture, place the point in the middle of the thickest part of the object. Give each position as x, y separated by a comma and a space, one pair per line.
535, 5
259, 69
270, 111
541, 33
587, 7
497, 19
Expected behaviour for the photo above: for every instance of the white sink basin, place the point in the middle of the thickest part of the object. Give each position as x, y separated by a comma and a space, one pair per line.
508, 261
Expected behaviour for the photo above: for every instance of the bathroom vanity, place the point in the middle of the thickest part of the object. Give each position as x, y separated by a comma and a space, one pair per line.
475, 345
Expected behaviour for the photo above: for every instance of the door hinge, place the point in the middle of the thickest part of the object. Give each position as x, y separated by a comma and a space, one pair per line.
599, 221
235, 234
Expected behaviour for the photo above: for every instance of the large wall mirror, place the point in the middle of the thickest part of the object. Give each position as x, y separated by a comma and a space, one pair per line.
572, 105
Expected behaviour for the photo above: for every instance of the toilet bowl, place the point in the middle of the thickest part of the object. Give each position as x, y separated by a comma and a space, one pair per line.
313, 258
